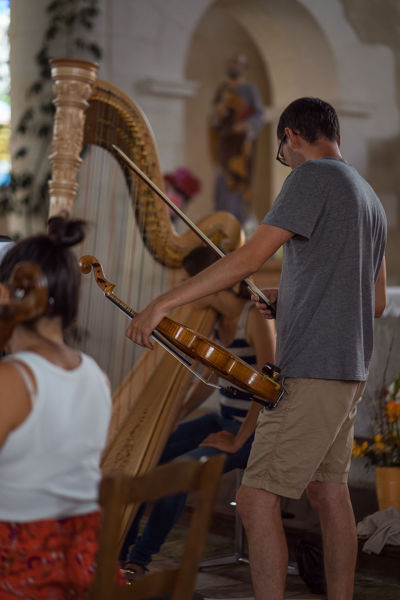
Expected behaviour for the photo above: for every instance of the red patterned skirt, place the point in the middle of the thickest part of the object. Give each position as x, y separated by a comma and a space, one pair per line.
49, 559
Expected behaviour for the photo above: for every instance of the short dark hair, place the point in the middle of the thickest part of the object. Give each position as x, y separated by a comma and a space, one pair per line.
58, 263
198, 259
202, 257
312, 118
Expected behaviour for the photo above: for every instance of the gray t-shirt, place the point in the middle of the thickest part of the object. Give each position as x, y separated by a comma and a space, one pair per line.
326, 296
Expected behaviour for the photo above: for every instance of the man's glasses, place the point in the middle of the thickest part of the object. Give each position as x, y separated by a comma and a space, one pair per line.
279, 156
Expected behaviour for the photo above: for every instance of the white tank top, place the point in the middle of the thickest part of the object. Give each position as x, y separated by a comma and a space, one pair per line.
49, 465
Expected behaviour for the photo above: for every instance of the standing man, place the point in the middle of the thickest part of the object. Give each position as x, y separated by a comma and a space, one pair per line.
237, 117
333, 230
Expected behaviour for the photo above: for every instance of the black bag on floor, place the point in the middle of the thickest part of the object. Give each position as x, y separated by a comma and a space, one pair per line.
310, 562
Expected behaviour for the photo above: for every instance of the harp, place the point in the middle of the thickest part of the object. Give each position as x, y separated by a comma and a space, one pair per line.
132, 234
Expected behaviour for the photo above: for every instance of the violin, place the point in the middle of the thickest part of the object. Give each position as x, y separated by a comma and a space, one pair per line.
194, 345
28, 297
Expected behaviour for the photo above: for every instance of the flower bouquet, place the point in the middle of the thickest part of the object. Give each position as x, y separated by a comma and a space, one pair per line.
384, 450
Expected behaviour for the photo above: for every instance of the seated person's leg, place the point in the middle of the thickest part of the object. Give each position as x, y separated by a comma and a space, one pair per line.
166, 512
186, 438
189, 434
132, 534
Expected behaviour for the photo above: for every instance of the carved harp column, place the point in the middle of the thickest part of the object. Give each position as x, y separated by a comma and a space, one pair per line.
72, 87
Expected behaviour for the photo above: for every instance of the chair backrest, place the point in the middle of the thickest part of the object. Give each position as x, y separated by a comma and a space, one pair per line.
117, 490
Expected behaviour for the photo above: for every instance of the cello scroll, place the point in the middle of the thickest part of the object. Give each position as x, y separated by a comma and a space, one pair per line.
27, 298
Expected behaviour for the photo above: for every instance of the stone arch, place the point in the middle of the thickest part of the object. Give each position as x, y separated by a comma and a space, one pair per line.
289, 57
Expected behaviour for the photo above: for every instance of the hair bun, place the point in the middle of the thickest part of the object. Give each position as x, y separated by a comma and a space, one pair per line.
64, 231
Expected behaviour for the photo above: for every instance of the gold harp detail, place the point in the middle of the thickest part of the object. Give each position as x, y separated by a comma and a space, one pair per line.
91, 111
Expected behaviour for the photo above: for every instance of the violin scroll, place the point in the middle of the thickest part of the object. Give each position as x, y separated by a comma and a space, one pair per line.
27, 298
89, 262
86, 262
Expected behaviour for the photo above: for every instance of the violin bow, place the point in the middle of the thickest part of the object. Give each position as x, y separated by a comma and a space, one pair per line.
250, 284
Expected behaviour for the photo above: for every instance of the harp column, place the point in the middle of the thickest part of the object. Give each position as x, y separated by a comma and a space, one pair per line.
72, 87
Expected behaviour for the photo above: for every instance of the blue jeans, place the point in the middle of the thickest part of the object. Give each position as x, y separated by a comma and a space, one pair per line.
183, 443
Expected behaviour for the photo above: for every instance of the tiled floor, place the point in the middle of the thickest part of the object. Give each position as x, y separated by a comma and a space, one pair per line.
233, 581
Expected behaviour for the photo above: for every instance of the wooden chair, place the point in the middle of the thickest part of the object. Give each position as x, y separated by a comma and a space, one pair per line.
118, 490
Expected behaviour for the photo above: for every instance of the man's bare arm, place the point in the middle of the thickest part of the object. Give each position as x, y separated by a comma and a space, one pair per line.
219, 276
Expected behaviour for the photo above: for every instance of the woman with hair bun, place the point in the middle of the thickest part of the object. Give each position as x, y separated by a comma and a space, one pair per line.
55, 407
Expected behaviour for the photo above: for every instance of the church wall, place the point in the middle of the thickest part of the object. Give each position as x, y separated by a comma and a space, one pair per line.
26, 30
25, 33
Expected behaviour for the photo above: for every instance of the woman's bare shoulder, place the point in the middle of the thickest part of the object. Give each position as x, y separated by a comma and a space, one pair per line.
15, 399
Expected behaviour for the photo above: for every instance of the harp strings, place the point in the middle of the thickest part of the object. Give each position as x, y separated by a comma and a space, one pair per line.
114, 237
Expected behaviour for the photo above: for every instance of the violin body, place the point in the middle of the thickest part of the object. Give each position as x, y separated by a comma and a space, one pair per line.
224, 363
28, 297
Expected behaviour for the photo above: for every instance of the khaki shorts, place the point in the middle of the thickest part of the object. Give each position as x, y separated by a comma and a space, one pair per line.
307, 437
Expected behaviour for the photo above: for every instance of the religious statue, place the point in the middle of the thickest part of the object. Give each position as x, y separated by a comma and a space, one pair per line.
237, 118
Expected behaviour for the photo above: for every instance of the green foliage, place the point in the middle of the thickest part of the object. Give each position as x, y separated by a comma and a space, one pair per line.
73, 22
384, 450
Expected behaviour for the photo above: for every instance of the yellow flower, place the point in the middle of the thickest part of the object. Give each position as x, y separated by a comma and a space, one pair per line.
357, 450
391, 408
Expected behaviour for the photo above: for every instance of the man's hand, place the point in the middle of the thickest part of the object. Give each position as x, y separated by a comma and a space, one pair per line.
272, 295
223, 440
142, 326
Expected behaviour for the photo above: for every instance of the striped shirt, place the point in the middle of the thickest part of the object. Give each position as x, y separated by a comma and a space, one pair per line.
235, 408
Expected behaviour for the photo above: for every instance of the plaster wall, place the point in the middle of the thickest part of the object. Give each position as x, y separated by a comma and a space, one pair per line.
27, 26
